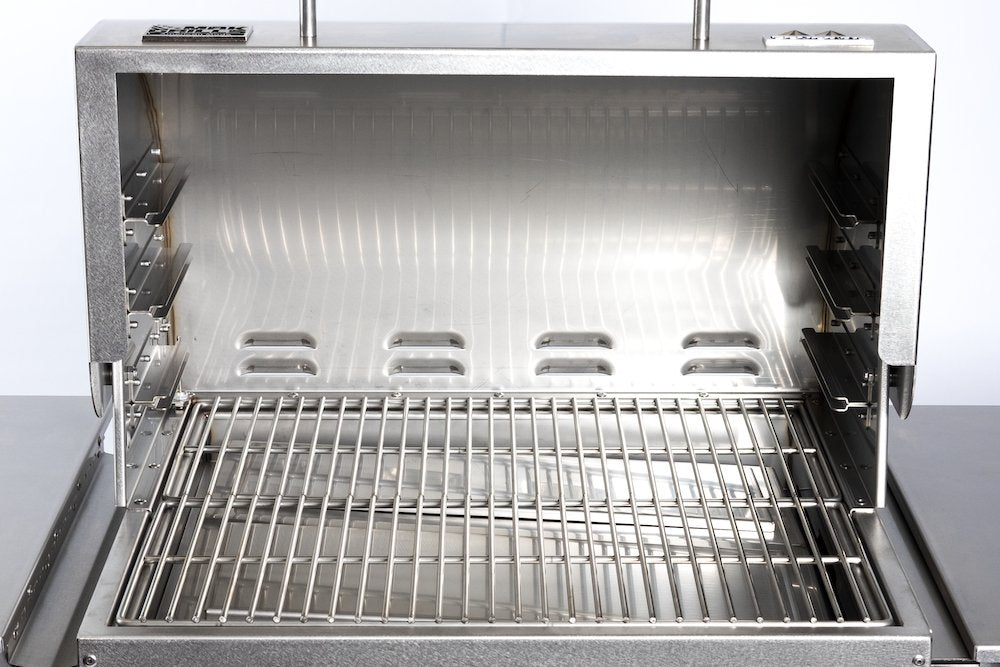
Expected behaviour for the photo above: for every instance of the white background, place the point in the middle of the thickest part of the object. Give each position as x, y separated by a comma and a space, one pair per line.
43, 328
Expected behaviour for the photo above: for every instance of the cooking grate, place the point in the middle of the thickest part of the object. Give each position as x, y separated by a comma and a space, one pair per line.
485, 509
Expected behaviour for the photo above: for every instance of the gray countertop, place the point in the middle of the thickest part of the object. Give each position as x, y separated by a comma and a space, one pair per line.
945, 462
44, 442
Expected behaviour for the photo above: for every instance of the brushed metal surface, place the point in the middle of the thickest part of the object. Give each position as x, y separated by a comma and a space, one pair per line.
49, 444
50, 636
622, 50
353, 208
944, 466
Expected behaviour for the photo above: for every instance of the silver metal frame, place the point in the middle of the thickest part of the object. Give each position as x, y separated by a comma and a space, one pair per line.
619, 51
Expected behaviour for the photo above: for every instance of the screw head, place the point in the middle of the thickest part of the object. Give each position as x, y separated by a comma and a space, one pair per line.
919, 660
90, 660
397, 394
139, 501
498, 394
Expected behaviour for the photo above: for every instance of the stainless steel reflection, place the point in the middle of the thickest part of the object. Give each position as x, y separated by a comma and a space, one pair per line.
485, 341
498, 210
113, 48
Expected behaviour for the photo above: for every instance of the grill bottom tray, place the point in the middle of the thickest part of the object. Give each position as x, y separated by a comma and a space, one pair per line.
500, 511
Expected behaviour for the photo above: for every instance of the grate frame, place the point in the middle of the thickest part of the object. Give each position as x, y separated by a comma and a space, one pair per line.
337, 508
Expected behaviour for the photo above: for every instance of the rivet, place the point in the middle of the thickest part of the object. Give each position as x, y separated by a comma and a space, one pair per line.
397, 394
90, 660
498, 394
139, 501
919, 660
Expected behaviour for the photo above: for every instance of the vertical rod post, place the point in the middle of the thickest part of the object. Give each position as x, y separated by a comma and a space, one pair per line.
118, 402
702, 19
307, 20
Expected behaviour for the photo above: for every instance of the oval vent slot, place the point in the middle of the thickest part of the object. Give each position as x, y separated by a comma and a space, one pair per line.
721, 367
425, 367
277, 367
427, 339
573, 339
574, 367
284, 339
722, 339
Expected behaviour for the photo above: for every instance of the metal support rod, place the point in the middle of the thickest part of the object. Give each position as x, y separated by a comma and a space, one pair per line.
702, 18
307, 19
118, 400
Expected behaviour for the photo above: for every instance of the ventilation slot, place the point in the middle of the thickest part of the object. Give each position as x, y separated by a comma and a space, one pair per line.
721, 367
573, 339
277, 339
427, 339
277, 367
574, 367
722, 339
425, 367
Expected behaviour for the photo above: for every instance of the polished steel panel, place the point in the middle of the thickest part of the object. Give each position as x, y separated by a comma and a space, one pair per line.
905, 215
619, 50
498, 209
50, 446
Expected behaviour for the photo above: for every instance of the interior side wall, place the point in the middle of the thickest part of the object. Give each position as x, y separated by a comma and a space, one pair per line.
497, 233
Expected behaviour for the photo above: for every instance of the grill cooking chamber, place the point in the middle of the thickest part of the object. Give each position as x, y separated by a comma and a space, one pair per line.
503, 347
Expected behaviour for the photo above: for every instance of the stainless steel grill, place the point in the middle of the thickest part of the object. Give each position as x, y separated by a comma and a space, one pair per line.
503, 343
531, 510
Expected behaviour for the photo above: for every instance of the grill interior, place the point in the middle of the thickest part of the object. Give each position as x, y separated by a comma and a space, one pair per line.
487, 509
